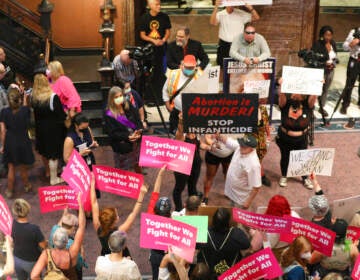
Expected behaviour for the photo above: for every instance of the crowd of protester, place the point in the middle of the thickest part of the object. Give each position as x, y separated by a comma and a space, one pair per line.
61, 127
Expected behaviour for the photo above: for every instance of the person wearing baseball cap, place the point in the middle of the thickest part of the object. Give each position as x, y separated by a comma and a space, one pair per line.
177, 81
243, 179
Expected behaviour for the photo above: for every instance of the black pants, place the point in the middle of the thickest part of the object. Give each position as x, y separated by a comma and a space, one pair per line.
352, 73
154, 89
191, 180
173, 120
222, 52
156, 257
286, 144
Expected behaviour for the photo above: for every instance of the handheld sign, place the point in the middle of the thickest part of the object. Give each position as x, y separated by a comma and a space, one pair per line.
200, 222
177, 155
302, 80
356, 270
6, 219
259, 265
353, 233
159, 233
304, 162
77, 174
54, 198
321, 238
116, 181
267, 223
208, 82
227, 114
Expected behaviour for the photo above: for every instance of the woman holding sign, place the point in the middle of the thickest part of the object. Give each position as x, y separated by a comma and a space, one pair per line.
296, 112
123, 125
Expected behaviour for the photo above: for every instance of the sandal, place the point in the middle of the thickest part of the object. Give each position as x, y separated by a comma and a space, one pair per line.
350, 124
28, 188
9, 193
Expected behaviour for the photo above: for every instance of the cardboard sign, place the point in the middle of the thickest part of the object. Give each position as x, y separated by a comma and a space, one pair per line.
159, 233
267, 223
260, 265
54, 198
177, 155
6, 218
227, 114
77, 174
116, 181
353, 233
242, 3
356, 269
346, 207
321, 238
200, 222
208, 82
302, 80
304, 162
238, 77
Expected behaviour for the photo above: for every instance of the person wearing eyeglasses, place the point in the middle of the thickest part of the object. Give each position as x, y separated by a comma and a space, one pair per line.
250, 47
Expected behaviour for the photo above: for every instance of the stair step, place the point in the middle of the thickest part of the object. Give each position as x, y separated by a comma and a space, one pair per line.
87, 86
91, 96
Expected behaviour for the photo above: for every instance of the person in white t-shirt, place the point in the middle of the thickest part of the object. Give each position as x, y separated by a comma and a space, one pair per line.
243, 179
231, 23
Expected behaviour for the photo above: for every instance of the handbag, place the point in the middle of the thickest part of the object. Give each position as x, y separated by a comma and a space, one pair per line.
53, 272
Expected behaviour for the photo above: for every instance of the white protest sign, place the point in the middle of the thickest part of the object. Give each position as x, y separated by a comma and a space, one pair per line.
304, 162
208, 82
302, 80
260, 86
242, 3
346, 207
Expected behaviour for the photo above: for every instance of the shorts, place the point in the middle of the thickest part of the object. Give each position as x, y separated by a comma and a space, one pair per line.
215, 160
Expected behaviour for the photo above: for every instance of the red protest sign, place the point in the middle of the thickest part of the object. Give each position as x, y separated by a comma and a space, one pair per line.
321, 238
54, 198
6, 219
267, 223
116, 181
262, 264
353, 233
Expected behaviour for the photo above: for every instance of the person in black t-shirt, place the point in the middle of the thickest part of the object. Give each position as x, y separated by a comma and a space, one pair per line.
155, 29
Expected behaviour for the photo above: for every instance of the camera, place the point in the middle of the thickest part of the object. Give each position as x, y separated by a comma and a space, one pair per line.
312, 59
141, 53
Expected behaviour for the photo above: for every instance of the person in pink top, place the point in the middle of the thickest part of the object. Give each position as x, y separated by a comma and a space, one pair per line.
64, 88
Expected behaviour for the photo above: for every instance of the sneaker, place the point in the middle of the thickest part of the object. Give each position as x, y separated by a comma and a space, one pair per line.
265, 181
205, 201
308, 184
283, 182
343, 110
28, 188
9, 193
350, 124
323, 112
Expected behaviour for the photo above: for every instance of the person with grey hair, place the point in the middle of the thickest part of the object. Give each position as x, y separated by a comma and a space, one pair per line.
64, 259
126, 69
28, 239
182, 46
114, 265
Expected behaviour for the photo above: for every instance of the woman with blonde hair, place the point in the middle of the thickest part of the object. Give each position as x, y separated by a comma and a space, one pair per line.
28, 239
16, 145
49, 126
64, 88
123, 125
295, 258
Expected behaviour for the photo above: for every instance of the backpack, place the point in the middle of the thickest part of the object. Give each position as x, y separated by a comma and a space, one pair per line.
53, 272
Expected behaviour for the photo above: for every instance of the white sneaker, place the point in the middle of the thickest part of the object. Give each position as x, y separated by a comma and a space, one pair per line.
283, 182
308, 184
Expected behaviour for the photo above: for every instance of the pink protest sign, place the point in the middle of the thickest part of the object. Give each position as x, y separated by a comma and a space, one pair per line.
54, 198
262, 222
157, 151
78, 175
159, 233
262, 264
6, 219
356, 270
116, 181
321, 238
353, 233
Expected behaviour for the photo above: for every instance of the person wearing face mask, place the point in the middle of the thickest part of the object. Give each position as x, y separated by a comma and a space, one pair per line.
124, 127
177, 81
296, 111
182, 46
134, 98
295, 258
